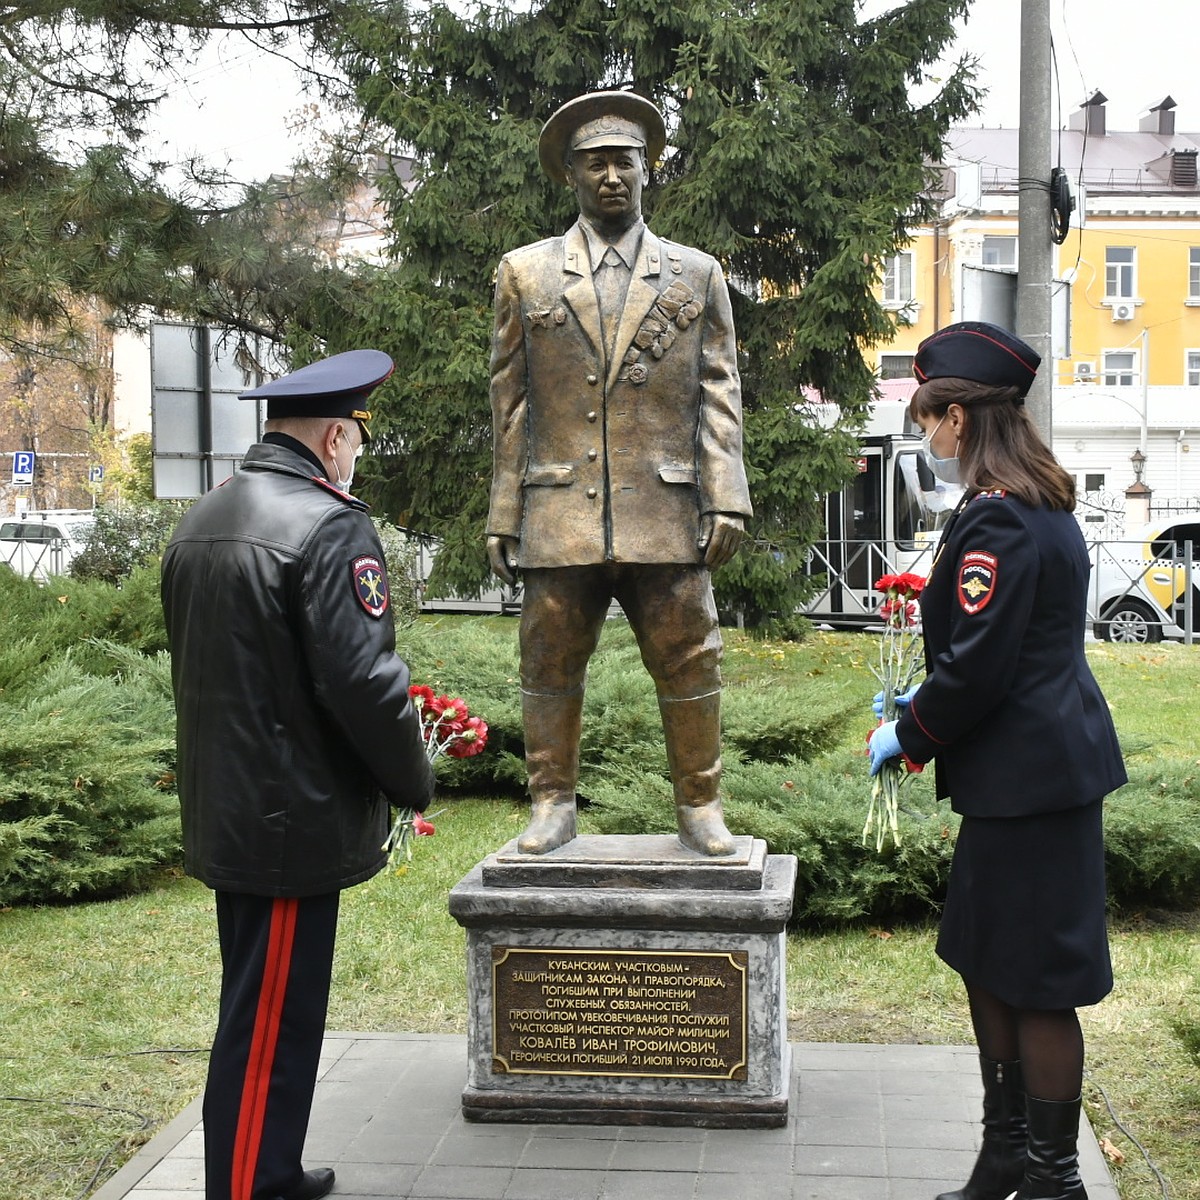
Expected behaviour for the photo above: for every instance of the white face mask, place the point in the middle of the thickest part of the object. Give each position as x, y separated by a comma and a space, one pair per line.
946, 469
355, 455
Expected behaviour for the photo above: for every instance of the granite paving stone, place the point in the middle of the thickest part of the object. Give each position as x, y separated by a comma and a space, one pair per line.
647, 1185
751, 1156
463, 1150
865, 1123
376, 1179
463, 1183
659, 1156
849, 1187
577, 1153
543, 1183
754, 1185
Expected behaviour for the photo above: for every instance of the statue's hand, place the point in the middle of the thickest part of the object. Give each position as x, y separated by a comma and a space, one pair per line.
720, 536
502, 557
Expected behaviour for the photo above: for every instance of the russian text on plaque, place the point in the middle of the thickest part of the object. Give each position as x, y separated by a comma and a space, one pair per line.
619, 1012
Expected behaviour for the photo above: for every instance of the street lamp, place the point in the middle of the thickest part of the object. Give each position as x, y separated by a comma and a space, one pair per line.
1139, 465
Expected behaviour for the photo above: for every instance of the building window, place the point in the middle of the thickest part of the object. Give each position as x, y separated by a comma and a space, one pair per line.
1119, 265
999, 251
897, 278
1120, 368
895, 366
1194, 273
1192, 371
1093, 483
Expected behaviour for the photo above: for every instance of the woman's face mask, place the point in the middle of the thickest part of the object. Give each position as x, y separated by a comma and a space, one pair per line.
946, 469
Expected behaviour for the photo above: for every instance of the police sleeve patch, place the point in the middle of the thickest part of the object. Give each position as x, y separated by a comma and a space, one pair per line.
370, 584
976, 581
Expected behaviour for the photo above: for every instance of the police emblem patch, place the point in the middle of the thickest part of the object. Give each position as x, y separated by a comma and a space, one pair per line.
976, 580
370, 584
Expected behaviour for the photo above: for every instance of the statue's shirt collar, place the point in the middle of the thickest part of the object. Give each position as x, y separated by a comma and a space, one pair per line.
627, 245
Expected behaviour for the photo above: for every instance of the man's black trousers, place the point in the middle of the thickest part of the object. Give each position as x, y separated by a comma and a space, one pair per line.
277, 958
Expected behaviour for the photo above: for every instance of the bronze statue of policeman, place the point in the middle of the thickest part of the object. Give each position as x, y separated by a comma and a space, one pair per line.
618, 472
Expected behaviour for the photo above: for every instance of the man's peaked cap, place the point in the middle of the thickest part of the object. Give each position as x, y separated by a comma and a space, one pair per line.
332, 387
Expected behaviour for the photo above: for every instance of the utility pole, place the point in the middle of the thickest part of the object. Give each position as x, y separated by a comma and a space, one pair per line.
1036, 262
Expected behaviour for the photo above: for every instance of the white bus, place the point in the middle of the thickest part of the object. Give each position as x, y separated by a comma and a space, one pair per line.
886, 520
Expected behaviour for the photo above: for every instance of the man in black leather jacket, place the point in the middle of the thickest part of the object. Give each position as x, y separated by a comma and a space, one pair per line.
295, 733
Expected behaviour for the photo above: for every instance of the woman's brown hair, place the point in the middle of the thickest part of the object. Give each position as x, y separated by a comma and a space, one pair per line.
1000, 446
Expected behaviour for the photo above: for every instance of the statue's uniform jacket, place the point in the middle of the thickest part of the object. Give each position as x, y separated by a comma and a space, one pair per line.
613, 460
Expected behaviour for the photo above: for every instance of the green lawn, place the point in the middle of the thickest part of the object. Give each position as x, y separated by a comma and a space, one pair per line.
108, 1008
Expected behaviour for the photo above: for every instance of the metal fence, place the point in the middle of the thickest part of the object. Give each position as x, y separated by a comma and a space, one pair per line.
1174, 507
36, 558
848, 570
1101, 515
1138, 591
1143, 591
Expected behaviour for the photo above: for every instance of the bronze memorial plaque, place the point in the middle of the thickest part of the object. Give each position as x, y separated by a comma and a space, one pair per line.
619, 1012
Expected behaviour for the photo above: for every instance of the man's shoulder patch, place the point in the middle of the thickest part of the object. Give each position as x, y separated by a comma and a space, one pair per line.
369, 579
977, 572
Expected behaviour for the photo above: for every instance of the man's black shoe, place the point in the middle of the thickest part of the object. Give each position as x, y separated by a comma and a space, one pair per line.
313, 1186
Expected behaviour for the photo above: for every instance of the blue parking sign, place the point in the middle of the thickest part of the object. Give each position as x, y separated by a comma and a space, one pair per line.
23, 462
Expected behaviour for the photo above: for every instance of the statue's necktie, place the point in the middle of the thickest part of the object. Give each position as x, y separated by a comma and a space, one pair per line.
612, 285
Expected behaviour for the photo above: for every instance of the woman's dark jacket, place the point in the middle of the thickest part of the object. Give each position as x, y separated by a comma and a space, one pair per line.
295, 727
1009, 707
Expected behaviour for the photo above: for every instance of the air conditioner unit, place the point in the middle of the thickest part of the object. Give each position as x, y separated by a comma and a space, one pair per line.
1122, 312
1085, 371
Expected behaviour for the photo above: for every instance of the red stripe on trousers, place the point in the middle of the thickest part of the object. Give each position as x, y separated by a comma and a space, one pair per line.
261, 1061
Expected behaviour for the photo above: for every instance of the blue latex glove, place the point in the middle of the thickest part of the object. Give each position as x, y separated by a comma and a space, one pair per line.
902, 701
884, 744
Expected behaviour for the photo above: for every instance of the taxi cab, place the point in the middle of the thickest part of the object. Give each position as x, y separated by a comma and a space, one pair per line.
1147, 588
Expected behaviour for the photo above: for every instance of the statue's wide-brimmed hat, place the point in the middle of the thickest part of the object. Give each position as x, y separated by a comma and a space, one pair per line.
601, 119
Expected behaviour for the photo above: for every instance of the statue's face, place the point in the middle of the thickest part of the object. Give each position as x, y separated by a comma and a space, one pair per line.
608, 182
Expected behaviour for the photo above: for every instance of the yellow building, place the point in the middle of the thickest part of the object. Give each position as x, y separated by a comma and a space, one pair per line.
1126, 301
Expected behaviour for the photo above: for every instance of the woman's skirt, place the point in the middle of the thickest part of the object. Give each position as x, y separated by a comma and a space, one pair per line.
1025, 910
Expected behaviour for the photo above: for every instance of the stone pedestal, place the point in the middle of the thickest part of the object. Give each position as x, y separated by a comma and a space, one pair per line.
627, 980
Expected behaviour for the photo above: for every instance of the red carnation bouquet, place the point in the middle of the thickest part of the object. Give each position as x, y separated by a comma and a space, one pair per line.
447, 727
900, 660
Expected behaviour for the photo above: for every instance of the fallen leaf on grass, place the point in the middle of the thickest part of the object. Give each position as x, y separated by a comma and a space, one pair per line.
1113, 1153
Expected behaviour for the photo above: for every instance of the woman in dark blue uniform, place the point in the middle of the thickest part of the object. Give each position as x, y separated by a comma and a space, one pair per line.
1024, 747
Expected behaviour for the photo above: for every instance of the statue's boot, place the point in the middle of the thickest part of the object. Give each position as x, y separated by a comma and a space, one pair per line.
553, 724
693, 736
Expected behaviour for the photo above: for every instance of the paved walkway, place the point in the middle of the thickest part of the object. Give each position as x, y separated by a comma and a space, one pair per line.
866, 1123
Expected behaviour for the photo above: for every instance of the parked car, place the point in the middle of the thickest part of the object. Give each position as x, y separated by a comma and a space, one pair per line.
40, 544
1140, 587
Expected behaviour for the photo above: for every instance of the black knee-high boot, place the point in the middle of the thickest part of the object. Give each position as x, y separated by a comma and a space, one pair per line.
1001, 1162
1052, 1162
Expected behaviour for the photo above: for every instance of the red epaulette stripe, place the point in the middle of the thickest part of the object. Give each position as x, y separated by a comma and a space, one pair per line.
336, 491
252, 1111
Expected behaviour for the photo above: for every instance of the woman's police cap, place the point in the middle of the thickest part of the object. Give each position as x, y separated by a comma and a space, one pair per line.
332, 387
979, 351
599, 119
